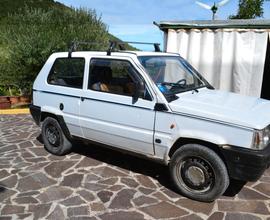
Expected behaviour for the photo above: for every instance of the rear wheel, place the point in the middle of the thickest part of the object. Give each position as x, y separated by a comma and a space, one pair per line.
198, 173
53, 137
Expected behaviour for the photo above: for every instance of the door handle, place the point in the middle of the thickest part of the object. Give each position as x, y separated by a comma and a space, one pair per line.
82, 99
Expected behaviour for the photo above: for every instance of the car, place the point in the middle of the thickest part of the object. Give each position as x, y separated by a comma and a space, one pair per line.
156, 105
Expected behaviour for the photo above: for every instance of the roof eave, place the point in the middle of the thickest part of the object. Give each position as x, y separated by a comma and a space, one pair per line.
239, 24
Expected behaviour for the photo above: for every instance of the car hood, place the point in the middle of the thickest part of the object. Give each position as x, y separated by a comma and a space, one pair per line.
225, 107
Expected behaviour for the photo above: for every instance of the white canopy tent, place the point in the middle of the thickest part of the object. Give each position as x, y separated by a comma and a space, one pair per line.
230, 54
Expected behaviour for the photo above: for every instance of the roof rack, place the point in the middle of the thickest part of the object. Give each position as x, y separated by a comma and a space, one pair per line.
74, 45
121, 45
112, 46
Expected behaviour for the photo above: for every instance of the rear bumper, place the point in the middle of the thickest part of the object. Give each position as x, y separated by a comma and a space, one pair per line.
36, 113
245, 164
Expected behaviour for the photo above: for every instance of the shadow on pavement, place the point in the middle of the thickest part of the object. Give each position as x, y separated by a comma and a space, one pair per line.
234, 188
39, 138
143, 166
2, 188
139, 165
125, 161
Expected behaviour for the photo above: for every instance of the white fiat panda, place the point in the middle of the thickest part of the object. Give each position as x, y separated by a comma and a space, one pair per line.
157, 105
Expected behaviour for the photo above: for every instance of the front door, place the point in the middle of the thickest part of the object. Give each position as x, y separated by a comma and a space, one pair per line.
109, 114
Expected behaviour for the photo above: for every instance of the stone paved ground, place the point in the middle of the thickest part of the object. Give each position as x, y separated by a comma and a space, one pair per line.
95, 183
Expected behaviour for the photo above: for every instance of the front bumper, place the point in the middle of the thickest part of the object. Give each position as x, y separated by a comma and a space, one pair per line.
246, 164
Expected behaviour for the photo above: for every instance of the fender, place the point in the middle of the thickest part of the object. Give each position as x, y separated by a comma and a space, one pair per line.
202, 135
58, 115
51, 110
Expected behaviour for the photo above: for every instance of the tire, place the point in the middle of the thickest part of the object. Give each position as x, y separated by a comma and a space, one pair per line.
198, 173
53, 137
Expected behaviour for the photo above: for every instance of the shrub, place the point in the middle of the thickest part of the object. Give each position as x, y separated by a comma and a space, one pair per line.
28, 37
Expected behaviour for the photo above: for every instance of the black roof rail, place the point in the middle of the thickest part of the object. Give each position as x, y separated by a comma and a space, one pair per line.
112, 46
74, 45
156, 45
123, 43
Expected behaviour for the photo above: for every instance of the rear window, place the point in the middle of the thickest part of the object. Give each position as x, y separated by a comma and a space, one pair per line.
67, 72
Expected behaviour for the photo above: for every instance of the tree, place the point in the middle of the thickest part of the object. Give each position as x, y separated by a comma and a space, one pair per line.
249, 9
30, 36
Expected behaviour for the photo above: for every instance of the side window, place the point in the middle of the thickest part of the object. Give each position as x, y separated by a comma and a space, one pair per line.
113, 76
67, 72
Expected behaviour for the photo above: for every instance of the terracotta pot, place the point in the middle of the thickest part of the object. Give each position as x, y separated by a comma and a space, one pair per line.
5, 104
3, 98
25, 99
14, 100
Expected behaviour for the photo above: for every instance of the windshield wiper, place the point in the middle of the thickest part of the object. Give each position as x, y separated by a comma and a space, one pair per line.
174, 85
171, 97
168, 84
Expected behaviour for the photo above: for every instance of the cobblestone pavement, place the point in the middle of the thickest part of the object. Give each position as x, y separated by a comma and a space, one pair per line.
96, 183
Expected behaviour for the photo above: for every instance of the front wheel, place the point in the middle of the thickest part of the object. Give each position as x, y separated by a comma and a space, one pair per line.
198, 173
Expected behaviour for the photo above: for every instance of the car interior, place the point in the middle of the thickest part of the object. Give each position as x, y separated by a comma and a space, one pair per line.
103, 79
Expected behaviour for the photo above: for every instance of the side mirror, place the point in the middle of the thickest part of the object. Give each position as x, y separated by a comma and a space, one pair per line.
139, 91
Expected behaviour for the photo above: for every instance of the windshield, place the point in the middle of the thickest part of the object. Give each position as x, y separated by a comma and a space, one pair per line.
172, 74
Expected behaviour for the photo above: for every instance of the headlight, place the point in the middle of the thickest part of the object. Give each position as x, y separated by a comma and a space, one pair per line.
261, 138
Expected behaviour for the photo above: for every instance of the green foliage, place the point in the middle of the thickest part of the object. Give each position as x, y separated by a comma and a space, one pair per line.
30, 36
9, 90
13, 6
3, 91
249, 9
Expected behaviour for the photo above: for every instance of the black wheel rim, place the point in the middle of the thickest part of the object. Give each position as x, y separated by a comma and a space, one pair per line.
196, 174
53, 135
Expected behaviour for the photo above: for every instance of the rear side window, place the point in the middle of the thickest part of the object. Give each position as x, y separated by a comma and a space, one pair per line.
67, 72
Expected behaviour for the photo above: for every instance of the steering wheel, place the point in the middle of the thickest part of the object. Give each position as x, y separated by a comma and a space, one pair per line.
182, 82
